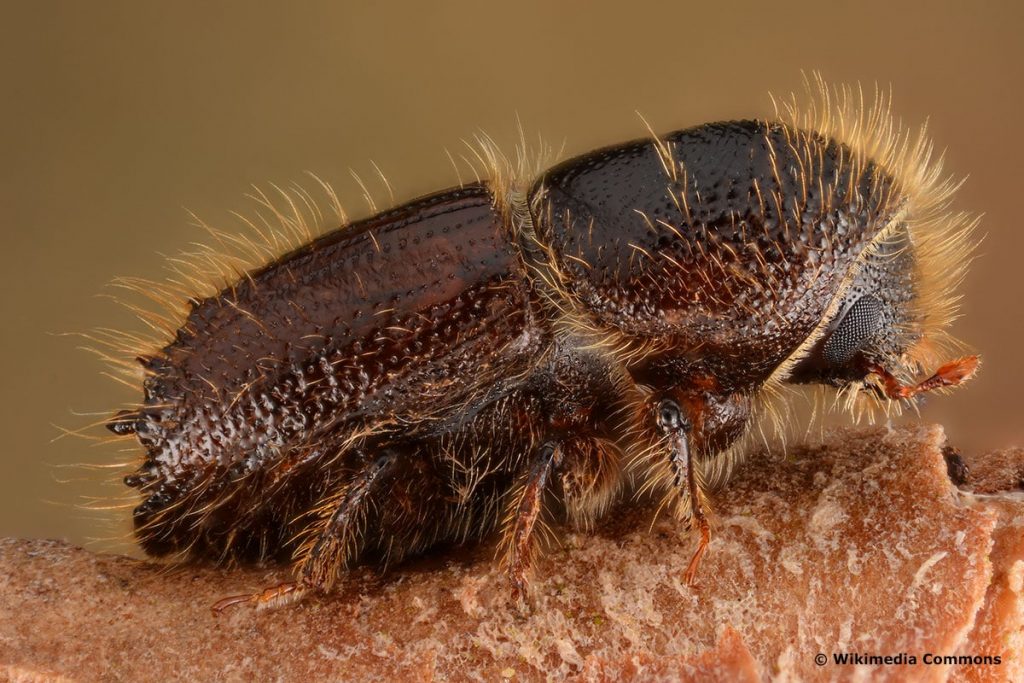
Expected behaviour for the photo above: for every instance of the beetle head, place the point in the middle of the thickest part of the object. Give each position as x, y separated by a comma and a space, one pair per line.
876, 339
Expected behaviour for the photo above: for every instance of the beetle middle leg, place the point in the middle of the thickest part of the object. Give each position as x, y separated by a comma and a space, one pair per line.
526, 513
586, 472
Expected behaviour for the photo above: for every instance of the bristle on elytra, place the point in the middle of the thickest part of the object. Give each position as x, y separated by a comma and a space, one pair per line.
282, 221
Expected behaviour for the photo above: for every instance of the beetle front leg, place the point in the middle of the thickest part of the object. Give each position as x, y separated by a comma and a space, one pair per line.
674, 425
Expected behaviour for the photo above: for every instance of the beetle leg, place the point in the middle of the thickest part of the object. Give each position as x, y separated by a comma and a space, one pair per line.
673, 424
525, 516
275, 596
336, 543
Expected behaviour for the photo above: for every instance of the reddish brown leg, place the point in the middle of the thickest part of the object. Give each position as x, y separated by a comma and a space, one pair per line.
525, 519
699, 518
333, 545
337, 541
275, 596
673, 424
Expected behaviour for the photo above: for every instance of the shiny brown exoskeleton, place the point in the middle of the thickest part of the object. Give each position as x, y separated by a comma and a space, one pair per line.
494, 353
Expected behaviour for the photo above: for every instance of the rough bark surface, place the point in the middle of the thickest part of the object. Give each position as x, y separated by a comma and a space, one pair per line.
860, 544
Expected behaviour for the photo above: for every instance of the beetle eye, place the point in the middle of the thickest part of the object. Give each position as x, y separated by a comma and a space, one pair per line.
861, 321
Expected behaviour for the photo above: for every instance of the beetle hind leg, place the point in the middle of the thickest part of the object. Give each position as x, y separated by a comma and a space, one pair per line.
337, 540
333, 541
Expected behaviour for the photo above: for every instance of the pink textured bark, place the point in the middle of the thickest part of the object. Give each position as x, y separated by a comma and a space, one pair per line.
859, 544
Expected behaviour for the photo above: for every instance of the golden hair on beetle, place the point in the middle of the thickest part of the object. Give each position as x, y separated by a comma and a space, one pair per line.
327, 392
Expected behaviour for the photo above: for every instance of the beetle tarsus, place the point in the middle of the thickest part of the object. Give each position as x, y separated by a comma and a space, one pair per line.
690, 576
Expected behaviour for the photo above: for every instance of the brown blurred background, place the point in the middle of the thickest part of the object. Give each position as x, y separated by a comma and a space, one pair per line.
118, 115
